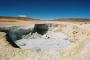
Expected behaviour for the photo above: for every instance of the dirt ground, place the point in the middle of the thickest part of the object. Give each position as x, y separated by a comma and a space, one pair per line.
79, 34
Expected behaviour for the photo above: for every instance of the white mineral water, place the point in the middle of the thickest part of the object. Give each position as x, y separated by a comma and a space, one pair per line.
50, 43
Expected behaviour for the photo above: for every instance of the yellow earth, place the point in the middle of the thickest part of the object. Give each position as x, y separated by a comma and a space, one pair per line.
79, 35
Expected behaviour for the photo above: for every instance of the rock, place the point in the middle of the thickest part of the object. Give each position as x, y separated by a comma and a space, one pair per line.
40, 28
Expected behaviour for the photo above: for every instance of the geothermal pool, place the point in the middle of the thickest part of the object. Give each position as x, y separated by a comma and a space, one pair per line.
49, 43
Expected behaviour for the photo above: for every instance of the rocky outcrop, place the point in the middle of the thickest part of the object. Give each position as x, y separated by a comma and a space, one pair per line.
16, 34
40, 28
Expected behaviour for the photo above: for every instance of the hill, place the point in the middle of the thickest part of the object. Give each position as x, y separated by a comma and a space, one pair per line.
20, 19
72, 20
13, 19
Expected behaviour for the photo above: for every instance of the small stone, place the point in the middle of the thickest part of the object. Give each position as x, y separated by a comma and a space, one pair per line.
23, 45
38, 50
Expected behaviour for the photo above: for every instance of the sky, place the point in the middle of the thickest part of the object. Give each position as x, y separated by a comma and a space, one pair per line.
45, 9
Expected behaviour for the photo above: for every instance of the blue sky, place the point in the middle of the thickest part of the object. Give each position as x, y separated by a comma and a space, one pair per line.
45, 9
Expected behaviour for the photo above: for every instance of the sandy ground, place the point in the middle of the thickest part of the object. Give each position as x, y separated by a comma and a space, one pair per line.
79, 35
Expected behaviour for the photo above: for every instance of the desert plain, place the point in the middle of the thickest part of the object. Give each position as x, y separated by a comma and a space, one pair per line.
78, 32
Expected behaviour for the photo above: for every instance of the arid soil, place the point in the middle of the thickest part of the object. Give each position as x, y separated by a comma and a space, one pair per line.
79, 35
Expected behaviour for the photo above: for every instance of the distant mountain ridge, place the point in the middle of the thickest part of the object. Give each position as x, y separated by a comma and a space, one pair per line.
13, 19
20, 19
72, 20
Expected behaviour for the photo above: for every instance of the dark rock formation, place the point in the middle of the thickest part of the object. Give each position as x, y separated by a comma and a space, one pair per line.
8, 37
13, 35
40, 28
